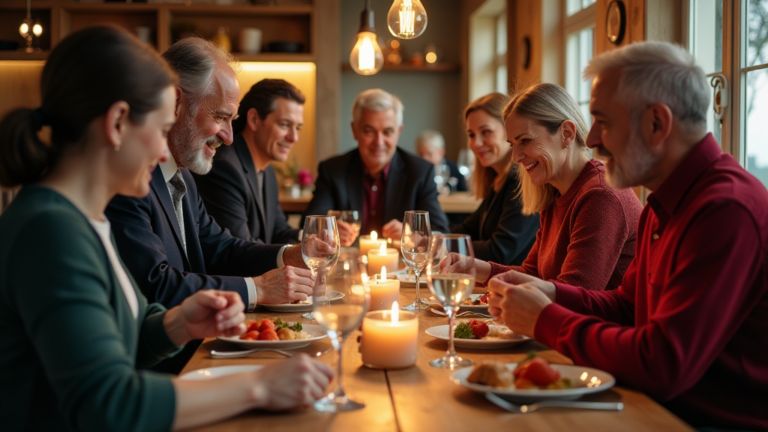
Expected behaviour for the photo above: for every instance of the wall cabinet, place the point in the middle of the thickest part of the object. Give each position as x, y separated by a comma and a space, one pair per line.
167, 22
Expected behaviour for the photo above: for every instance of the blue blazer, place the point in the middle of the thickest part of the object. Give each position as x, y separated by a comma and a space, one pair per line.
147, 234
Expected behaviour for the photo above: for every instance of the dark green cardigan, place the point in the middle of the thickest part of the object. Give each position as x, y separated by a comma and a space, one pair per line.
70, 346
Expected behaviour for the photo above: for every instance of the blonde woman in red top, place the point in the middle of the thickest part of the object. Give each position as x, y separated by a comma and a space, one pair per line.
588, 229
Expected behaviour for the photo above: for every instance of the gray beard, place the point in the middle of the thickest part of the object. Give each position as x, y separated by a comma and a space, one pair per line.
186, 144
636, 166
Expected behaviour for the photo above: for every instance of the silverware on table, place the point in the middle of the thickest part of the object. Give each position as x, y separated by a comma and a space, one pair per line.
524, 409
245, 353
461, 314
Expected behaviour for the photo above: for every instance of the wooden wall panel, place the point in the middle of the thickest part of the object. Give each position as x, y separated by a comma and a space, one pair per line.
327, 32
528, 22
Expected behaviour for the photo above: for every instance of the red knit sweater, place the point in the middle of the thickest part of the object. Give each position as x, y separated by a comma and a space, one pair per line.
587, 236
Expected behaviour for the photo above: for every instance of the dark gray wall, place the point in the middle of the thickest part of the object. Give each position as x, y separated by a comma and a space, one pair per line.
431, 99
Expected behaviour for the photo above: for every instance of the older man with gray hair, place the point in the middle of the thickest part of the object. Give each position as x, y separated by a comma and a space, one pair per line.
689, 324
430, 145
167, 240
378, 179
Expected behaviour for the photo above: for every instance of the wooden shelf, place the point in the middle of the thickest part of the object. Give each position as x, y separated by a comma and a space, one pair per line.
437, 67
21, 55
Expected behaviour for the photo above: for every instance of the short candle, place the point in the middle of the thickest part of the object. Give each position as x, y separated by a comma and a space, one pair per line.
389, 258
390, 339
369, 242
383, 291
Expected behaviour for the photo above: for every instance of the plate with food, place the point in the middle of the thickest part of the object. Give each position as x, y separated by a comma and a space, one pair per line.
407, 280
216, 372
533, 380
479, 334
276, 333
302, 305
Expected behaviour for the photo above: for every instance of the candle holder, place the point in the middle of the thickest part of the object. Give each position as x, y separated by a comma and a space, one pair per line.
383, 257
390, 339
383, 292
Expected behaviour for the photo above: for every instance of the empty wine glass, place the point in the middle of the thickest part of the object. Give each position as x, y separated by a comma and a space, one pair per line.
339, 320
451, 277
466, 163
414, 244
442, 174
320, 249
352, 217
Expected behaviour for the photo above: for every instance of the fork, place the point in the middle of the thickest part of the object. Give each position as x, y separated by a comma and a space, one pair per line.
461, 314
524, 409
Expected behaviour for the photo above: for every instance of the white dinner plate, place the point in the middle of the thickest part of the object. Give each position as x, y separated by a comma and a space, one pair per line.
215, 372
441, 332
313, 330
408, 280
474, 308
587, 380
302, 307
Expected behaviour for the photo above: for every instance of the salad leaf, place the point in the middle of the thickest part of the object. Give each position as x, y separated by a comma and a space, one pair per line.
279, 323
463, 331
297, 327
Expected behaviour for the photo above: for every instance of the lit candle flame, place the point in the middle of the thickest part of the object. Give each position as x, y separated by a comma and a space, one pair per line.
383, 273
383, 249
346, 266
374, 236
395, 312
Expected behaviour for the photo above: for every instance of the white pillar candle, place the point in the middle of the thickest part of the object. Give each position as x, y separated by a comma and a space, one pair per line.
383, 291
369, 242
390, 339
389, 258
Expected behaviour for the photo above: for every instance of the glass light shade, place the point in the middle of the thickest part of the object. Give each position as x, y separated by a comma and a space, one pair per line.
25, 27
37, 29
366, 57
407, 19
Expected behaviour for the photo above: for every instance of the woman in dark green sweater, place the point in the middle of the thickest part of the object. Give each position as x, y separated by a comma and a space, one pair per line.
75, 329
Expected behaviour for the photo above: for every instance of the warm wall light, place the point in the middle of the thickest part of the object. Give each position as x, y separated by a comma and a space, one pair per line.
407, 19
366, 57
30, 28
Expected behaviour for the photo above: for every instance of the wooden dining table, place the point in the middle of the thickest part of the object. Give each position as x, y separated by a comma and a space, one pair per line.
457, 202
423, 398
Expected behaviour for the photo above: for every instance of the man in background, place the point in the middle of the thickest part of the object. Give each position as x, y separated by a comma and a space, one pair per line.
378, 179
241, 191
430, 145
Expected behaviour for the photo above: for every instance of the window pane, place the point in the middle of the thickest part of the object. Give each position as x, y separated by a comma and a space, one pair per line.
757, 32
579, 47
707, 34
501, 80
587, 3
757, 127
501, 34
573, 6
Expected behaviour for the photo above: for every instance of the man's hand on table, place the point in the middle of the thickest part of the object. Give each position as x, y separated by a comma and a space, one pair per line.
518, 299
347, 233
392, 229
296, 382
284, 285
207, 313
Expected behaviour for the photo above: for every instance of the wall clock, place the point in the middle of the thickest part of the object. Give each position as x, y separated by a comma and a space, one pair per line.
616, 22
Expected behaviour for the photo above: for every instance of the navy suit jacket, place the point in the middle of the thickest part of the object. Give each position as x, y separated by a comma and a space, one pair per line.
410, 186
229, 192
461, 186
147, 234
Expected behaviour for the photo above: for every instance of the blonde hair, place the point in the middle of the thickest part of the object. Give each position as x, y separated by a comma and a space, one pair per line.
485, 178
547, 105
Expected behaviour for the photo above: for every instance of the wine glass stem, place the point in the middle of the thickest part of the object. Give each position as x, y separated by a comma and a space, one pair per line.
451, 317
341, 338
418, 274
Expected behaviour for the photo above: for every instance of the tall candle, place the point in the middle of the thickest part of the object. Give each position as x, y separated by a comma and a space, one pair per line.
389, 258
384, 291
369, 242
390, 339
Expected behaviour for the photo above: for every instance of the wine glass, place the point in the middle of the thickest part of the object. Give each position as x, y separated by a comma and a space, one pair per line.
339, 320
352, 217
320, 251
466, 163
442, 174
414, 244
451, 277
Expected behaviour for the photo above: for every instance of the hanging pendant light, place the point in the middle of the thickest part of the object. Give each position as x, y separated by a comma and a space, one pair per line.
366, 57
30, 28
407, 19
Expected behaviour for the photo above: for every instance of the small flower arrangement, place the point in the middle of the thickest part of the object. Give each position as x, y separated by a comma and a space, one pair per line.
292, 175
304, 177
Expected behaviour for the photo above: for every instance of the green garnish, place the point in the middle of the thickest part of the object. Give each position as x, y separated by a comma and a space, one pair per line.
297, 327
531, 356
279, 323
463, 331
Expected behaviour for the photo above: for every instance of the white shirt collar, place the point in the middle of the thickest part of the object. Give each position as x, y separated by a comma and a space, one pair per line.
169, 169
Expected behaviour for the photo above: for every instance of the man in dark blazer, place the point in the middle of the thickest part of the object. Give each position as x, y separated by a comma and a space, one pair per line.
377, 179
430, 145
241, 190
167, 240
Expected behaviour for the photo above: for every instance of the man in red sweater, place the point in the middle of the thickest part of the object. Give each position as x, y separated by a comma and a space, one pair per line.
689, 325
